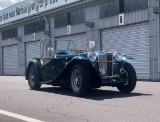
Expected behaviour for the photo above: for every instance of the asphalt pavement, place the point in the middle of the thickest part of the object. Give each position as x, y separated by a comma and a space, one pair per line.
55, 104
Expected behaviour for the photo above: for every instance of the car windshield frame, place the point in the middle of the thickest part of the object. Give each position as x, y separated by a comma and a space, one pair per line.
69, 43
44, 43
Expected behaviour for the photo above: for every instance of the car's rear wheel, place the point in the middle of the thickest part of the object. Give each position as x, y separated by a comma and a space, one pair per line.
33, 78
79, 80
130, 79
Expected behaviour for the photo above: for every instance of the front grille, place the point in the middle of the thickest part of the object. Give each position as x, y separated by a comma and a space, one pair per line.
105, 62
109, 65
102, 59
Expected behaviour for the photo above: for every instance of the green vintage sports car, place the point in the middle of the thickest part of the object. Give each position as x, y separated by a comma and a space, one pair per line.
80, 69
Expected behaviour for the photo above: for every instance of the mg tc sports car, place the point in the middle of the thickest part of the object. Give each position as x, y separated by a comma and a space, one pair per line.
80, 69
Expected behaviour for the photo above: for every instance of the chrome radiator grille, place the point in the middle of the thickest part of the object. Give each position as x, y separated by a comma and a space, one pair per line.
105, 62
102, 62
109, 65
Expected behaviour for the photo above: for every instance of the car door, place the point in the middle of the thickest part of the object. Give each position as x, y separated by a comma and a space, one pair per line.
49, 71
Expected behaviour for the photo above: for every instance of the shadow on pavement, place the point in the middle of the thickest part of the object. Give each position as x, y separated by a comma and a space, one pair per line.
94, 94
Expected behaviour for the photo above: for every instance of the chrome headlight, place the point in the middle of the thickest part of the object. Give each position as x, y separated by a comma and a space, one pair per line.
92, 56
102, 71
118, 56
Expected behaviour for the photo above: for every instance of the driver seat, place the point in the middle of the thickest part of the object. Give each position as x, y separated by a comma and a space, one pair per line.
44, 61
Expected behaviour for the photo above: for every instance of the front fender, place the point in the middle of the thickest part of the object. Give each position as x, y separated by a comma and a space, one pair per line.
128, 57
65, 73
80, 58
36, 65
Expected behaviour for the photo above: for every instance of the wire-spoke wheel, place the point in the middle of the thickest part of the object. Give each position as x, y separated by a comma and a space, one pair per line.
130, 79
33, 78
79, 80
76, 80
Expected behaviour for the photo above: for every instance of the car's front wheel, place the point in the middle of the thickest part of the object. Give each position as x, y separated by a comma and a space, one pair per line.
79, 80
33, 78
130, 79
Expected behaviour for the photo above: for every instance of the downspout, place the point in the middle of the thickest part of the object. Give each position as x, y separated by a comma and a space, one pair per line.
48, 24
150, 37
158, 31
46, 21
48, 29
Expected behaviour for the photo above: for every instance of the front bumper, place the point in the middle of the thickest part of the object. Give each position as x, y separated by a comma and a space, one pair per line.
111, 82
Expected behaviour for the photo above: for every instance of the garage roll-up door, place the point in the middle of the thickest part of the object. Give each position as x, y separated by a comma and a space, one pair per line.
32, 50
10, 60
132, 40
79, 40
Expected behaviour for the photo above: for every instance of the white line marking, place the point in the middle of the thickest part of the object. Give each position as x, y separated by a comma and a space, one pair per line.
17, 116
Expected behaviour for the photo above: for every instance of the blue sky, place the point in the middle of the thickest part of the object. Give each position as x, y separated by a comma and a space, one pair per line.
7, 3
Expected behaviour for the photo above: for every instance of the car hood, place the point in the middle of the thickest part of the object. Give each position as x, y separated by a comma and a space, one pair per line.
71, 55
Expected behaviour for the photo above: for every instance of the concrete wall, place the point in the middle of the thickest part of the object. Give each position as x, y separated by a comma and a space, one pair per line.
21, 58
154, 41
0, 61
21, 51
93, 34
0, 53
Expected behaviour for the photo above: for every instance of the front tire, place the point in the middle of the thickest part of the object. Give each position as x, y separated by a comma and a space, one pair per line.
79, 80
33, 78
131, 79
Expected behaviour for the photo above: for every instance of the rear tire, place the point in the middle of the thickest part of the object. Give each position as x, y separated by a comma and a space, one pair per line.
131, 81
79, 80
33, 78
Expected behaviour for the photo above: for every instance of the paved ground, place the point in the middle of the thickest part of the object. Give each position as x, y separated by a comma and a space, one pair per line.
55, 104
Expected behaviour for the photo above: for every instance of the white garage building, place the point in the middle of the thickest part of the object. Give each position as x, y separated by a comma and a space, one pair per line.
128, 26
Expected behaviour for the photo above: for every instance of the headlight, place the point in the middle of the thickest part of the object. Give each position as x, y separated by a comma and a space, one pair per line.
92, 56
118, 56
102, 71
